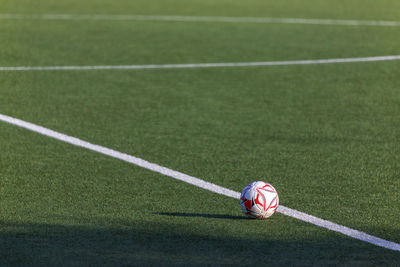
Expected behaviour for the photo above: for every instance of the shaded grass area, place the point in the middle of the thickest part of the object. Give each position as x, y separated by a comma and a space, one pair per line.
46, 244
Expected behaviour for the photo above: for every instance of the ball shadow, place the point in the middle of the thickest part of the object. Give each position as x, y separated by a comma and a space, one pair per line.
203, 215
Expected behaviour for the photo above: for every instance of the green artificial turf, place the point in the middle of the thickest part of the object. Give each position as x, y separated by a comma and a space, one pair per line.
64, 205
326, 136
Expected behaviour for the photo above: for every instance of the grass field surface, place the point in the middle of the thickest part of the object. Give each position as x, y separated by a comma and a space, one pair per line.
326, 136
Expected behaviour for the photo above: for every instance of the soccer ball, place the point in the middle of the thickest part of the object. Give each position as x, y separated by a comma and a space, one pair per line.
259, 200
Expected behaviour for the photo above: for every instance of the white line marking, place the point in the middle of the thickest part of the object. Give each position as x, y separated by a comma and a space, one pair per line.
198, 182
204, 65
344, 22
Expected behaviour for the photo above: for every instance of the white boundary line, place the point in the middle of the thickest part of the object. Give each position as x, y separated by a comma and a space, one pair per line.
344, 22
198, 182
203, 65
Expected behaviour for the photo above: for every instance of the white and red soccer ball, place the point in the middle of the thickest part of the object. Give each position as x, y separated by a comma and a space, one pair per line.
259, 200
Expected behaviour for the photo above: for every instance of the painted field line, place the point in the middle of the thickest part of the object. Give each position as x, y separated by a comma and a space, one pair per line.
203, 65
345, 22
198, 182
